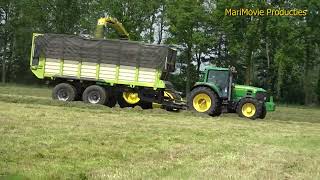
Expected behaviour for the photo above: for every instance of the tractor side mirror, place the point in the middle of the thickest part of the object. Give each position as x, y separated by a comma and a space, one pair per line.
201, 76
233, 69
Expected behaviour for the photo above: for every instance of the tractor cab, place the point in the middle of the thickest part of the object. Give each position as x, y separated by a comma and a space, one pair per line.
221, 78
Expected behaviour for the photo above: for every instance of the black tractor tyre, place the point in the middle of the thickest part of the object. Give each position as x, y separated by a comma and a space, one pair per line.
214, 110
255, 102
95, 94
218, 111
111, 102
79, 90
170, 109
263, 112
112, 98
64, 92
145, 105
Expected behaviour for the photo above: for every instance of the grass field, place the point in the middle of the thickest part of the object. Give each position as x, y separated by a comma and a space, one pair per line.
44, 139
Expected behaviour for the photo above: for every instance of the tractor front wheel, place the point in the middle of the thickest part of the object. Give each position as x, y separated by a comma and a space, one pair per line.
249, 108
204, 100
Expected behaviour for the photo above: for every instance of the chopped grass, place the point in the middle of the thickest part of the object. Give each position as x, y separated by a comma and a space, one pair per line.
25, 91
45, 139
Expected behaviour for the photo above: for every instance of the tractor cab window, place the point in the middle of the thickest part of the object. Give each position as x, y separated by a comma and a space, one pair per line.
221, 79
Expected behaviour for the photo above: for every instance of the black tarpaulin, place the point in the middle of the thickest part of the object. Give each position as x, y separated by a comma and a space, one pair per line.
119, 52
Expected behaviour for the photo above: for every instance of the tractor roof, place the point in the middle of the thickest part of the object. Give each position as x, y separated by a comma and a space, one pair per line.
216, 68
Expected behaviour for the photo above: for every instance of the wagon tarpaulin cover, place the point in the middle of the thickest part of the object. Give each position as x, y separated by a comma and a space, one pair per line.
119, 52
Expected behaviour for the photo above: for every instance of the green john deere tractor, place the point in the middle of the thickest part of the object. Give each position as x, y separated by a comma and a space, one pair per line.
217, 93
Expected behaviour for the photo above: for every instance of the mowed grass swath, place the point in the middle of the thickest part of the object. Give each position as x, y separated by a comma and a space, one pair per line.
45, 139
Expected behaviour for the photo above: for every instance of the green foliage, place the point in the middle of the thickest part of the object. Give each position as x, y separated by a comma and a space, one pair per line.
187, 21
179, 80
137, 16
318, 88
280, 54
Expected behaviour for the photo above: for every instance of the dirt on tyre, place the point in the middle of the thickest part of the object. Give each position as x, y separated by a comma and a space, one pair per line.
95, 95
204, 100
249, 108
64, 92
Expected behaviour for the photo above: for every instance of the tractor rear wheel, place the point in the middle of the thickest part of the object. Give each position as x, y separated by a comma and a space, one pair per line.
64, 92
249, 108
204, 100
95, 95
263, 112
218, 111
145, 105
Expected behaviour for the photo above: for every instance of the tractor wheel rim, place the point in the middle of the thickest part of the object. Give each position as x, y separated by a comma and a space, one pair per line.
249, 110
202, 102
94, 97
63, 95
131, 97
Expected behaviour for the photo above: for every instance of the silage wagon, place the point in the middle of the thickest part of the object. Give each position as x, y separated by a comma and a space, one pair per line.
105, 72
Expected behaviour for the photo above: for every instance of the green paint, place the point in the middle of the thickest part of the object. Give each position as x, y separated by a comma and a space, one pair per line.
38, 70
117, 74
61, 67
97, 71
79, 69
136, 76
270, 105
239, 91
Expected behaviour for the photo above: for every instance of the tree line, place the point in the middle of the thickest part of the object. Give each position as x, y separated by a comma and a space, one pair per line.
278, 53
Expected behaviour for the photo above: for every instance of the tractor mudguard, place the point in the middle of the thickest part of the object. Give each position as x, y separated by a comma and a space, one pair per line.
213, 87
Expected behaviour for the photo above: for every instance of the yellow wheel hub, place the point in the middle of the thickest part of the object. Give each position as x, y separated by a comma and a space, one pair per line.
248, 110
202, 102
131, 97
